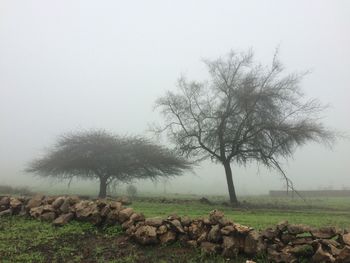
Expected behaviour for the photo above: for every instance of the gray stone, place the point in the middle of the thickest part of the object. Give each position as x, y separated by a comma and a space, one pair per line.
216, 216
36, 211
6, 212
116, 205
162, 229
298, 229
186, 221
125, 214
58, 202
344, 255
15, 203
324, 232
63, 219
322, 256
167, 237
176, 224
230, 248
214, 234
35, 201
5, 201
137, 217
124, 200
346, 239
146, 235
154, 221
64, 208
48, 216
228, 230
253, 243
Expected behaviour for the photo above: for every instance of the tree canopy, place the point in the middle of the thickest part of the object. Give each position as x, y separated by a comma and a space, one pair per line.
107, 157
244, 112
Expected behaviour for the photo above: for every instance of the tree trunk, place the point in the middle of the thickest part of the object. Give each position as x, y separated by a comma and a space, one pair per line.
103, 187
231, 187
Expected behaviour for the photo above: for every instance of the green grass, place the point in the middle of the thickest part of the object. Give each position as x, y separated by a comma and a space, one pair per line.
27, 240
316, 212
314, 203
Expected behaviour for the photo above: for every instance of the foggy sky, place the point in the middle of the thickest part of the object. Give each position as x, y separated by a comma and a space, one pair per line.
71, 65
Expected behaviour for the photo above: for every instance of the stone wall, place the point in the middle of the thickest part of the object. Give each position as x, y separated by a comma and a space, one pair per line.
215, 234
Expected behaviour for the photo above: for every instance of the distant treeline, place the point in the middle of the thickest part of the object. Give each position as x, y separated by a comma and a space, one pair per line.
6, 189
312, 193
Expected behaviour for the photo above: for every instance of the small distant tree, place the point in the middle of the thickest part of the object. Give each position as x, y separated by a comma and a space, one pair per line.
245, 112
103, 156
131, 190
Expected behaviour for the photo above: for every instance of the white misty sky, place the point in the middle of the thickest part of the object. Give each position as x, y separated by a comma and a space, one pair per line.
70, 65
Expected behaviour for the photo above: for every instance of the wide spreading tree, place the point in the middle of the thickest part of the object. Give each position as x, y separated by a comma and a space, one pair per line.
245, 112
99, 155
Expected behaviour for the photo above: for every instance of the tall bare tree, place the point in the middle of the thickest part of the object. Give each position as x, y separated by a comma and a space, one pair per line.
245, 112
106, 157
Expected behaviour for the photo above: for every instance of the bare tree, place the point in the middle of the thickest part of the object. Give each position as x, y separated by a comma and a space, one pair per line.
245, 112
106, 157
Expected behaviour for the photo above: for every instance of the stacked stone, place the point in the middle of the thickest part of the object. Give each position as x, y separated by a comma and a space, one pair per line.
290, 242
282, 243
12, 205
60, 210
212, 235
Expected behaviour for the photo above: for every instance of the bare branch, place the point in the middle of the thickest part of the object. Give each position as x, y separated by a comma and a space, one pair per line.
244, 112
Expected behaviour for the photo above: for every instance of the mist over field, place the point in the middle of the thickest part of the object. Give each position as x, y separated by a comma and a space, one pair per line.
70, 66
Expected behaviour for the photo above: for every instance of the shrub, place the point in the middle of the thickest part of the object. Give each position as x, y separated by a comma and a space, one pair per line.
6, 189
131, 190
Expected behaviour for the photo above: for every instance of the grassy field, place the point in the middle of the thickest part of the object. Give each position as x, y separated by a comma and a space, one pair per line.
31, 241
28, 240
258, 219
257, 212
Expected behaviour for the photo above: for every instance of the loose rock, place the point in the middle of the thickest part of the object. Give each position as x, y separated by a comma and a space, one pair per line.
298, 229
322, 256
324, 232
154, 221
214, 234
64, 208
162, 229
48, 216
35, 201
176, 224
36, 211
227, 230
5, 201
344, 255
146, 235
124, 200
215, 216
125, 214
253, 244
186, 221
58, 202
137, 217
6, 212
230, 248
15, 203
346, 239
167, 237
63, 219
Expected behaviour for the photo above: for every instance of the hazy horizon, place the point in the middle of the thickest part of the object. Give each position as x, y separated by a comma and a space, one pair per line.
67, 66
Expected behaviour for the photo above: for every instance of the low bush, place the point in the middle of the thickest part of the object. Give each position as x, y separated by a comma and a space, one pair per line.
6, 189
